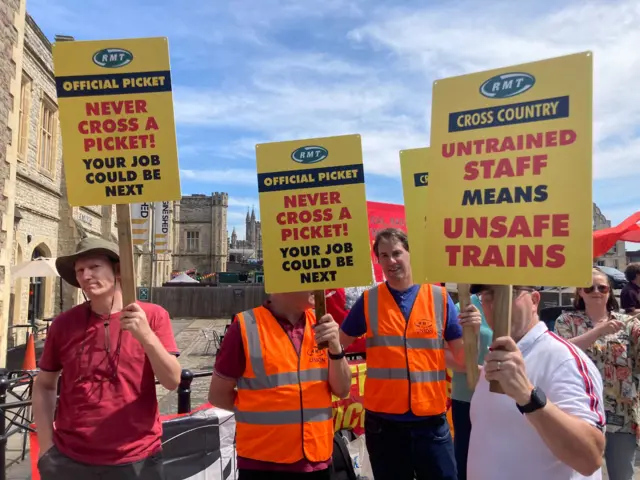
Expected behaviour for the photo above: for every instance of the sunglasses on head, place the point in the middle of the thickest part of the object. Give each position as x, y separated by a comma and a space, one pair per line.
600, 288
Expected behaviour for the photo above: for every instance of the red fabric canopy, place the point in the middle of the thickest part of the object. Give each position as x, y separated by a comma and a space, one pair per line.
627, 231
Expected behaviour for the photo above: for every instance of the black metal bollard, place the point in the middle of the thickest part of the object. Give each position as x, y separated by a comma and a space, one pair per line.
4, 386
184, 392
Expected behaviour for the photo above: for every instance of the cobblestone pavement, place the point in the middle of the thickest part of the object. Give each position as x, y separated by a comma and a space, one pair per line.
194, 356
191, 343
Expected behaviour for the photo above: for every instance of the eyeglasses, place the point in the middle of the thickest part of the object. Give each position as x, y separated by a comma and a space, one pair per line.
600, 288
487, 295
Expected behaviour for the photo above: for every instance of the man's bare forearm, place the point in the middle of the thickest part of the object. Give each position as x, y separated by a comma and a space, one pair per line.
572, 440
451, 363
44, 407
166, 366
340, 377
222, 392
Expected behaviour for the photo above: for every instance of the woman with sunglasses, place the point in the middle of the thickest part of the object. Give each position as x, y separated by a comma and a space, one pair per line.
610, 339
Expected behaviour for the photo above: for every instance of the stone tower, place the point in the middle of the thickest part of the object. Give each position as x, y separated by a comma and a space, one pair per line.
253, 234
219, 243
234, 238
248, 230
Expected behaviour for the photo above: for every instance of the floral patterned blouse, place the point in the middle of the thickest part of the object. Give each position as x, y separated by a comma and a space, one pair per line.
617, 357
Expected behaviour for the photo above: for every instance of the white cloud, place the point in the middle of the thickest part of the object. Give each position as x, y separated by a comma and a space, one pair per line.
228, 176
618, 158
268, 70
283, 109
245, 202
385, 96
491, 36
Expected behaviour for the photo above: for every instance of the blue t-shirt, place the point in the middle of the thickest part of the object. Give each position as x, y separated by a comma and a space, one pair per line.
355, 325
459, 389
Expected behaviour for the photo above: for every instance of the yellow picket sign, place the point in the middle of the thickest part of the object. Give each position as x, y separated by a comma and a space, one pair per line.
117, 121
315, 231
509, 200
414, 165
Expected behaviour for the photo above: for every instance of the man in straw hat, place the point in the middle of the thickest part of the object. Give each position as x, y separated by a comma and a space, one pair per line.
107, 423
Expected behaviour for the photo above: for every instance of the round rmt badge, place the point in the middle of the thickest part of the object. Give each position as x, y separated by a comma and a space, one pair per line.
310, 154
112, 57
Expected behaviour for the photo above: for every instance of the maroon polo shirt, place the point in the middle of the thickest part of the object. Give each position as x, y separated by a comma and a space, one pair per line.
108, 411
231, 363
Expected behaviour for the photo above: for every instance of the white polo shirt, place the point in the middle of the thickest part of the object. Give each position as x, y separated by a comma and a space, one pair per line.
504, 445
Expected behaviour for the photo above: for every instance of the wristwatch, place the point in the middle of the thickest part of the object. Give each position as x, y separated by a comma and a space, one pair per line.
538, 400
336, 356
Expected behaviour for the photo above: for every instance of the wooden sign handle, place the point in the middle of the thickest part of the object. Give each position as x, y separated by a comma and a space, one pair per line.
470, 339
125, 246
321, 311
502, 301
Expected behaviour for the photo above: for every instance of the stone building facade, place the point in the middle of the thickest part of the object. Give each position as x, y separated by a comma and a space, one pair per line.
12, 27
45, 225
201, 243
616, 257
37, 220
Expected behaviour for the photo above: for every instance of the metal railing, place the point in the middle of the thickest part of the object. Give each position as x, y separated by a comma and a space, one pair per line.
16, 388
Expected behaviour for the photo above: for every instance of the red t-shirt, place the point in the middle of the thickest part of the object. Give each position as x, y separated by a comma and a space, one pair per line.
231, 363
108, 411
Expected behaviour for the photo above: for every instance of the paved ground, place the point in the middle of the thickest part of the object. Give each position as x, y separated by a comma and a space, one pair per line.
192, 345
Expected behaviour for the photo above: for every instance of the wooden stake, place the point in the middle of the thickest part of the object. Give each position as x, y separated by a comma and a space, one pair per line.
125, 245
502, 302
470, 339
321, 311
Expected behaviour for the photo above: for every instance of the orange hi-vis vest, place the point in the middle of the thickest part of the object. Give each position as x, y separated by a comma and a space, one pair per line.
406, 369
283, 410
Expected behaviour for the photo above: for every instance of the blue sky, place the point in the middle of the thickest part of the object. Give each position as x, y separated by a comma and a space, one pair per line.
252, 71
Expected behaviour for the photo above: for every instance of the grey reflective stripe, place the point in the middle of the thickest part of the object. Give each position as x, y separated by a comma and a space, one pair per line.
372, 303
286, 417
377, 340
395, 341
253, 342
262, 380
416, 343
282, 379
401, 374
424, 377
387, 373
438, 304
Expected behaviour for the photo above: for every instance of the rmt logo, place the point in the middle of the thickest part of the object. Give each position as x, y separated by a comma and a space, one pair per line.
424, 327
316, 355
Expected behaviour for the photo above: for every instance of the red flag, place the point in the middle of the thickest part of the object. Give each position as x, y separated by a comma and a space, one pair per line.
381, 216
627, 231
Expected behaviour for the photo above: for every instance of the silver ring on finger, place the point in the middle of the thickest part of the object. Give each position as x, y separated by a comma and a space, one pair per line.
499, 365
